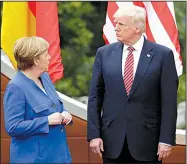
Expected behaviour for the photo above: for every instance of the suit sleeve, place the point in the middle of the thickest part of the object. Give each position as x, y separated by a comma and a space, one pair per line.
95, 99
14, 113
169, 87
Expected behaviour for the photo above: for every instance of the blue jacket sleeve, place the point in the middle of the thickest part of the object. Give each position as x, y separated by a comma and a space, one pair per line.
14, 112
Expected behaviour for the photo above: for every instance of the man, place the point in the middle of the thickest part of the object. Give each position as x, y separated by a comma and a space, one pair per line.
132, 107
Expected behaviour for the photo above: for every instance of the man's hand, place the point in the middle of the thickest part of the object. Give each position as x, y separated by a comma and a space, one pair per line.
96, 146
67, 117
163, 151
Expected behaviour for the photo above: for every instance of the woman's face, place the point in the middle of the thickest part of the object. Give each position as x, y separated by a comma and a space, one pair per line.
43, 61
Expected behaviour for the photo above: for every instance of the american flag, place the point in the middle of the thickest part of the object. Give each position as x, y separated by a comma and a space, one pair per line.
161, 26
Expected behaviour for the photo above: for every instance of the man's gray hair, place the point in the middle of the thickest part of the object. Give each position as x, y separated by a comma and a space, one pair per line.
137, 13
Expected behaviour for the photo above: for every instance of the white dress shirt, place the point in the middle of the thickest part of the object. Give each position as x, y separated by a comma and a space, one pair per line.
136, 53
43, 90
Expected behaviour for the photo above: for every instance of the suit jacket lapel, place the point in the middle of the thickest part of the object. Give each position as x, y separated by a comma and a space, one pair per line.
52, 95
47, 88
117, 60
144, 61
31, 84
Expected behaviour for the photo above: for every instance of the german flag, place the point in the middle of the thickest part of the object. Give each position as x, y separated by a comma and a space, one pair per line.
20, 19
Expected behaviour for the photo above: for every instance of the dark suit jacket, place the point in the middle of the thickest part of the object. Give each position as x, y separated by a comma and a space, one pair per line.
147, 116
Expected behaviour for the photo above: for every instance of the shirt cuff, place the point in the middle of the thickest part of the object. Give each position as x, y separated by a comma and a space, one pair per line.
164, 143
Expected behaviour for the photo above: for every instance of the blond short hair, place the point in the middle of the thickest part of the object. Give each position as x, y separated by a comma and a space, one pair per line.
26, 49
137, 13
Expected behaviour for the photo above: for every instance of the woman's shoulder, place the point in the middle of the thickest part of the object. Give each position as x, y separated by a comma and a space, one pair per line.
13, 88
17, 79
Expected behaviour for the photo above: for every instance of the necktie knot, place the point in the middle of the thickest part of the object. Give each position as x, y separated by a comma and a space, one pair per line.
131, 49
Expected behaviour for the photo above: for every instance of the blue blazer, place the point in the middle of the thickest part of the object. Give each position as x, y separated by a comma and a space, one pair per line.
26, 108
147, 115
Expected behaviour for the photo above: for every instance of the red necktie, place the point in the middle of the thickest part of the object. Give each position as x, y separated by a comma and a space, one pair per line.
128, 70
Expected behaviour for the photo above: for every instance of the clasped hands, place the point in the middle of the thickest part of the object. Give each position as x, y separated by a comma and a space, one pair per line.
59, 118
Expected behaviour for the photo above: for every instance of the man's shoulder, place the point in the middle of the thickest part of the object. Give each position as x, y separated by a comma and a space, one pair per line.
108, 46
159, 47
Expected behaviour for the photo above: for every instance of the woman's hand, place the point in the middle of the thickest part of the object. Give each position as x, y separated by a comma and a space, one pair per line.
67, 117
55, 118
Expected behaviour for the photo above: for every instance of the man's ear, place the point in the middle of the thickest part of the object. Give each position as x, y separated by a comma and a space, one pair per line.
137, 29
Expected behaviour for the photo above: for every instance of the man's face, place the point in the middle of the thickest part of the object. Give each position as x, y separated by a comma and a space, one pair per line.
125, 29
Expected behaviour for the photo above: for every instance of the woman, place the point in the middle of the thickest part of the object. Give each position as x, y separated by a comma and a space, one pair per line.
33, 112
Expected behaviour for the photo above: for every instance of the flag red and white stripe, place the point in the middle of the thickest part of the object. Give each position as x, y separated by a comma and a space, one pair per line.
161, 26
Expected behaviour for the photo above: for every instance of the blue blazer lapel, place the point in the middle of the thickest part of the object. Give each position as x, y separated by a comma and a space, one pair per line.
144, 61
50, 89
27, 81
47, 88
30, 84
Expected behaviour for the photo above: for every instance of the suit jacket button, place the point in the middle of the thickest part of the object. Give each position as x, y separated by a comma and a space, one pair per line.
53, 105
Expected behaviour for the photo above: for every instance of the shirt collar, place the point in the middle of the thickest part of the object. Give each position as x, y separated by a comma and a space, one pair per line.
137, 46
